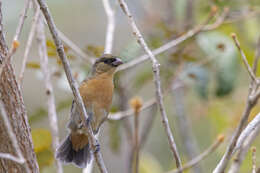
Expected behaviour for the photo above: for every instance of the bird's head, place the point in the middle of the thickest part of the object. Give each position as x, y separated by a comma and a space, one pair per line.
106, 64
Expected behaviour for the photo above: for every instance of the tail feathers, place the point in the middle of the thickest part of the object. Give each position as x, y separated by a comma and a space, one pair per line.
67, 154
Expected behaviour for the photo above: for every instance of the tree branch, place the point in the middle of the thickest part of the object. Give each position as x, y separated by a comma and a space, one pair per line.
60, 49
110, 26
52, 114
194, 31
202, 156
157, 82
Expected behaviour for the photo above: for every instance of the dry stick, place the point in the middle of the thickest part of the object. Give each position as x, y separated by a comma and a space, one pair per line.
157, 81
108, 48
110, 26
179, 40
75, 48
29, 44
254, 159
249, 105
52, 114
136, 125
254, 125
15, 42
202, 156
241, 154
243, 144
20, 159
60, 49
249, 69
130, 112
151, 102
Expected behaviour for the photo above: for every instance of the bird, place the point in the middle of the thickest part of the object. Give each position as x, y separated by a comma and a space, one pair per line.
97, 92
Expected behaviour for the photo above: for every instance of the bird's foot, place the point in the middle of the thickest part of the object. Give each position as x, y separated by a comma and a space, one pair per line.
97, 148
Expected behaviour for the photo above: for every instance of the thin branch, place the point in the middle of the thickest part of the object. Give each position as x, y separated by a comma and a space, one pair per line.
257, 56
251, 101
202, 156
254, 160
11, 157
15, 42
249, 69
75, 48
110, 26
179, 40
29, 44
60, 49
13, 138
156, 71
52, 114
136, 143
254, 125
130, 112
242, 151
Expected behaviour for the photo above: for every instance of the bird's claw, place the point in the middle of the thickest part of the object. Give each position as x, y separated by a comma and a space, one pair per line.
97, 148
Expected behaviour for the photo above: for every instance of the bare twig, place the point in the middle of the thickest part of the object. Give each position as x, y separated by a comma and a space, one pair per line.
75, 48
136, 123
130, 112
48, 86
29, 43
242, 151
202, 156
11, 157
157, 82
253, 159
257, 56
15, 42
254, 125
179, 40
110, 26
60, 49
136, 104
20, 159
251, 101
249, 69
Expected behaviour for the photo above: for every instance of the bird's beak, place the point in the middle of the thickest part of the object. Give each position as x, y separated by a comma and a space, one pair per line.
117, 62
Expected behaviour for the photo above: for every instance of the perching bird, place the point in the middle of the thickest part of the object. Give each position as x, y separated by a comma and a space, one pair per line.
96, 92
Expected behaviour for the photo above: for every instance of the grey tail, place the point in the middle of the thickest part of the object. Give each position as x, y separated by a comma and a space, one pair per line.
66, 154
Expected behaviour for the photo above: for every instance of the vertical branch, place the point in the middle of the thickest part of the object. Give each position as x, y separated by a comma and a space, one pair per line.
251, 101
14, 106
136, 124
12, 136
60, 49
157, 81
48, 86
254, 160
110, 26
29, 44
136, 104
15, 42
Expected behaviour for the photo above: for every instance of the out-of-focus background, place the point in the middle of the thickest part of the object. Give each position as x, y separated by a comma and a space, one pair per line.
210, 81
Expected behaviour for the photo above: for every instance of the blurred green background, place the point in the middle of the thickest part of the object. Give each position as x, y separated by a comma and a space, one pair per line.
214, 82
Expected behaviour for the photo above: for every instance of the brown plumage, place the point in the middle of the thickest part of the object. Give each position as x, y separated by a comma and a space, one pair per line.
97, 93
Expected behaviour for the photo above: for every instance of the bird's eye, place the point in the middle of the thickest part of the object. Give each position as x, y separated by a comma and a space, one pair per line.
109, 61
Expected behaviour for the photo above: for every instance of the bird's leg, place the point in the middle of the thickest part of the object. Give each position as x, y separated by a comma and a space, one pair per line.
89, 119
97, 147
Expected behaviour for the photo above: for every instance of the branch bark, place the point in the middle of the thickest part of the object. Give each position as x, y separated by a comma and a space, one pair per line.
11, 97
60, 49
156, 71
